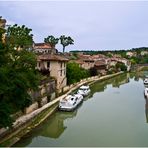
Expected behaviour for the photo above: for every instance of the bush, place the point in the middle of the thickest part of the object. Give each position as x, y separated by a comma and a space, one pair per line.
75, 73
93, 71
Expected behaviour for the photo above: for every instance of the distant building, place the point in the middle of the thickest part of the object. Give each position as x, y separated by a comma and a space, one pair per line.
144, 53
44, 48
101, 67
56, 65
131, 54
114, 61
98, 57
88, 63
2, 25
85, 61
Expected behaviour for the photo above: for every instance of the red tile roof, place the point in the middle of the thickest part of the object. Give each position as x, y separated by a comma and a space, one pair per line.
78, 61
42, 46
51, 57
100, 63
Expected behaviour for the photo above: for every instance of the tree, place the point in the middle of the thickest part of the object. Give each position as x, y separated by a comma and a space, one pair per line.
51, 40
133, 61
93, 71
121, 66
17, 76
65, 41
19, 37
75, 73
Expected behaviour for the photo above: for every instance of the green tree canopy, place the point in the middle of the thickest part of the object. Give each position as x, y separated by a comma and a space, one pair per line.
17, 76
51, 40
19, 37
65, 41
121, 66
75, 73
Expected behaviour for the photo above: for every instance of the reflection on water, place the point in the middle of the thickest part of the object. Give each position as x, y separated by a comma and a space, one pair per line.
100, 86
53, 127
112, 115
56, 126
146, 105
146, 109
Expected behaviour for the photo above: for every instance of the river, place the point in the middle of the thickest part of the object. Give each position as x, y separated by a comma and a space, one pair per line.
114, 115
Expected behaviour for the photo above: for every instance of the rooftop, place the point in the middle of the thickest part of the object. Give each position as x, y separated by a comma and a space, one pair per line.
42, 46
51, 57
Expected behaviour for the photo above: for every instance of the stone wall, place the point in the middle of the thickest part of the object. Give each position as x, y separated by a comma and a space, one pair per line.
43, 95
45, 89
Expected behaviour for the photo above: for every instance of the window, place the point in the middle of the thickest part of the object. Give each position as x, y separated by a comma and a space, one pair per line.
39, 64
61, 64
60, 72
48, 64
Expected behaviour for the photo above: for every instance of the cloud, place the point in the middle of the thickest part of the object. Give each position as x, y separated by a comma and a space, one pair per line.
92, 24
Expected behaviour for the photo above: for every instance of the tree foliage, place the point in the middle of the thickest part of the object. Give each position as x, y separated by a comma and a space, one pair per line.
93, 71
51, 40
19, 37
121, 66
17, 74
75, 73
65, 41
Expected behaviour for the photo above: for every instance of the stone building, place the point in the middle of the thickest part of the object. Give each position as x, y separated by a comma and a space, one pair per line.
2, 25
44, 48
2, 22
56, 65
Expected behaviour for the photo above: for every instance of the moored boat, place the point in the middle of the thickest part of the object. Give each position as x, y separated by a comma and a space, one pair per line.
84, 90
70, 102
145, 81
146, 93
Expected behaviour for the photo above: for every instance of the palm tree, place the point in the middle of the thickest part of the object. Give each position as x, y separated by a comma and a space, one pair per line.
65, 41
51, 40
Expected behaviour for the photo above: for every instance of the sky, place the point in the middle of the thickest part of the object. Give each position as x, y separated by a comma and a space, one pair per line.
94, 25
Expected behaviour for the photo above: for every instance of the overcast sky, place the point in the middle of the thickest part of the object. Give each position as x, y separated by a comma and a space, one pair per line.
94, 25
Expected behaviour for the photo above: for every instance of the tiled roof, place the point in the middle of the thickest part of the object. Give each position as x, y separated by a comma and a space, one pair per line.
88, 60
2, 23
98, 56
100, 63
51, 57
42, 46
79, 61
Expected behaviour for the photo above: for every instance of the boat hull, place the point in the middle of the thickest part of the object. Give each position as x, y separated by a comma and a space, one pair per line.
70, 109
84, 93
145, 82
146, 93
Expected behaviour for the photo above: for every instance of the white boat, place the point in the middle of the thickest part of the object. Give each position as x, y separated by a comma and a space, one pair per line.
84, 90
146, 93
70, 102
145, 81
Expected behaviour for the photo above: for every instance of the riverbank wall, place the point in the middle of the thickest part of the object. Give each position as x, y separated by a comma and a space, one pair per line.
26, 123
139, 67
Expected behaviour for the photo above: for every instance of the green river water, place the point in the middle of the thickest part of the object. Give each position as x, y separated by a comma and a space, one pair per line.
115, 114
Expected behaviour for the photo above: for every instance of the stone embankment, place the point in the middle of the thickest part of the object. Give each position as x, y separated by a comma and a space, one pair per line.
25, 123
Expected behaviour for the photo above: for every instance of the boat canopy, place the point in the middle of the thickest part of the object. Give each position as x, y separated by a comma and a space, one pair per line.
67, 98
84, 87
